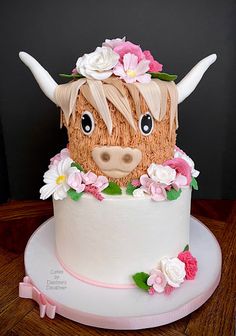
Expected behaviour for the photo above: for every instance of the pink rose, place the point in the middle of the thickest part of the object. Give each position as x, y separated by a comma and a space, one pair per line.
128, 47
157, 280
154, 66
181, 167
75, 180
190, 264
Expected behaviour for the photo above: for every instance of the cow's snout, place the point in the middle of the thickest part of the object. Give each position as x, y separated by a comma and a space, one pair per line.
115, 161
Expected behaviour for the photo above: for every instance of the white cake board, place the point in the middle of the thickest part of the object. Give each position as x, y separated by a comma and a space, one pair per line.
121, 308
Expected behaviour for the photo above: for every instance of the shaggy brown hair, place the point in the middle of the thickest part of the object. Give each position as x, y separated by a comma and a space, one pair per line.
155, 148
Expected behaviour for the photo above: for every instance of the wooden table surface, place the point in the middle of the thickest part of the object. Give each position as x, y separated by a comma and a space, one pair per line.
18, 219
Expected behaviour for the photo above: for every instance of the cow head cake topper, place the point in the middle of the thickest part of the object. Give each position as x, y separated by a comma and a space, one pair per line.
119, 108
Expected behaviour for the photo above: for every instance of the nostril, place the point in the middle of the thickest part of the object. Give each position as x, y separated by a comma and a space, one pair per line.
127, 158
105, 157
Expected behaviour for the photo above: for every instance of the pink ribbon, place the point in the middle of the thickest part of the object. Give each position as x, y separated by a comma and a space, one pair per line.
28, 291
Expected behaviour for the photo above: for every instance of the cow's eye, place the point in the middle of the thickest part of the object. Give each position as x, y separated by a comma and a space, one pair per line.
87, 123
146, 123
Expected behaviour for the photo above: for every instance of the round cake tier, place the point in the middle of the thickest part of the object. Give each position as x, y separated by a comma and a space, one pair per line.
106, 242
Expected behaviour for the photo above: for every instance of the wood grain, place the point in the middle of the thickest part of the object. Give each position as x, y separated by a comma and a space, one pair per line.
19, 317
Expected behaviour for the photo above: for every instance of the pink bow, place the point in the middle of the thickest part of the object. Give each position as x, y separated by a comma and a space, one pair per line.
28, 291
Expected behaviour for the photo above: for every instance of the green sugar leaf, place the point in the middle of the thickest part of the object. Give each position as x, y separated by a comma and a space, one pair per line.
194, 183
77, 165
74, 195
112, 189
130, 189
173, 194
71, 76
140, 280
186, 248
163, 76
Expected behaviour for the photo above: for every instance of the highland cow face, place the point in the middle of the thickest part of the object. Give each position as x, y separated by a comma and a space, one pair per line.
115, 128
131, 147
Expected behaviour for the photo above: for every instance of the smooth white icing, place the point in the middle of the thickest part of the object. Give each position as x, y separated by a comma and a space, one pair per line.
111, 240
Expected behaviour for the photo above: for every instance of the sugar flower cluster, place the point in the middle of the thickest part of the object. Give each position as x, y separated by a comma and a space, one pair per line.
120, 58
164, 181
169, 274
64, 177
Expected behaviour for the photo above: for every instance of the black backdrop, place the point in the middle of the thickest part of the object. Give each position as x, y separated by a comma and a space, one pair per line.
56, 32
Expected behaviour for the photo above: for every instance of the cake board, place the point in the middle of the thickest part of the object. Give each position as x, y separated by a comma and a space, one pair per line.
58, 292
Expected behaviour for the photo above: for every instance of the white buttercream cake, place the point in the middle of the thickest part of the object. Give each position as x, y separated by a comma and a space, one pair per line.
121, 189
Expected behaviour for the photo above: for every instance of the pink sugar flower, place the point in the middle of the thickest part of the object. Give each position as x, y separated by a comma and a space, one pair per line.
64, 153
181, 167
94, 191
157, 280
146, 182
128, 47
154, 66
190, 264
168, 289
74, 72
158, 192
75, 180
132, 70
101, 183
113, 43
180, 181
151, 291
135, 183
89, 177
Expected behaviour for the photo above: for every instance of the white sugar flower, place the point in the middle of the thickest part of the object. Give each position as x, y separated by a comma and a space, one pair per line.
98, 64
161, 174
139, 192
114, 42
174, 271
56, 180
180, 154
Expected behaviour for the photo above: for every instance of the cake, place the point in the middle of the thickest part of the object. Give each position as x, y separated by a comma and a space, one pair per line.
122, 188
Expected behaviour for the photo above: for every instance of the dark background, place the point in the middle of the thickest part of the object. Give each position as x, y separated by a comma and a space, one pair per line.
56, 33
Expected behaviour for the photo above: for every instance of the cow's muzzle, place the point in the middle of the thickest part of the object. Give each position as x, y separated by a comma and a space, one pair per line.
115, 161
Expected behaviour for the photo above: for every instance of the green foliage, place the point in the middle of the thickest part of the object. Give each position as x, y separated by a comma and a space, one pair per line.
112, 189
186, 248
163, 76
173, 194
130, 188
71, 76
77, 165
140, 280
194, 183
74, 195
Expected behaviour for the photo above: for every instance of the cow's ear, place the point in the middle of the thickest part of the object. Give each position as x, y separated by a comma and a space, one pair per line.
188, 84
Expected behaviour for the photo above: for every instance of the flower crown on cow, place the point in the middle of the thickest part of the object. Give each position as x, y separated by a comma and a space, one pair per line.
120, 58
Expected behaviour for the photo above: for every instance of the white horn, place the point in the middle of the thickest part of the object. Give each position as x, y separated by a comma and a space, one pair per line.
45, 81
188, 84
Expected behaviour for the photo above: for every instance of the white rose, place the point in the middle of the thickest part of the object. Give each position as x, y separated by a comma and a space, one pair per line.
189, 161
174, 271
161, 174
98, 64
113, 43
138, 192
